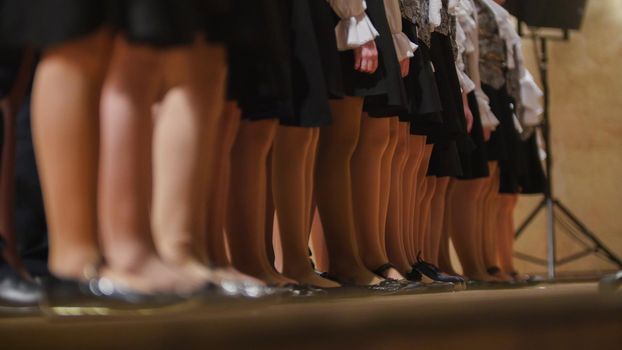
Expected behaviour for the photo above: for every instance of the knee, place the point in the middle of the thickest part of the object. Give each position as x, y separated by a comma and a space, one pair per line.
374, 139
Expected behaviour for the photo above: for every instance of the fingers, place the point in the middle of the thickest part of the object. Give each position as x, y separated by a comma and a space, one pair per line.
405, 67
366, 58
358, 58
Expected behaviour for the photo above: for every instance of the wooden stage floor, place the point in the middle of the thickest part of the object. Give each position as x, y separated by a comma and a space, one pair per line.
556, 316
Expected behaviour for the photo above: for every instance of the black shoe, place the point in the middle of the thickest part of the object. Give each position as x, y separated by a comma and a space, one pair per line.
432, 272
98, 296
18, 295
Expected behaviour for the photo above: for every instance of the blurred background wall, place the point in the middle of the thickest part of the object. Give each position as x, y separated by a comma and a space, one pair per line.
586, 114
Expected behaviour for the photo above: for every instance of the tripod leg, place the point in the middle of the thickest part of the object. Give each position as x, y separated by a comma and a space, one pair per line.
529, 219
550, 223
589, 234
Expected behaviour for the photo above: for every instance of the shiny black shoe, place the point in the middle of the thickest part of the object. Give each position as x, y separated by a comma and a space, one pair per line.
98, 296
416, 277
432, 272
18, 296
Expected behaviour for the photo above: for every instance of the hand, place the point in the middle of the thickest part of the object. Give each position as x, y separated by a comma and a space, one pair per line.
405, 66
366, 57
468, 115
487, 134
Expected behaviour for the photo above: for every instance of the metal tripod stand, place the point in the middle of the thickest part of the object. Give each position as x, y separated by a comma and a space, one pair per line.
556, 211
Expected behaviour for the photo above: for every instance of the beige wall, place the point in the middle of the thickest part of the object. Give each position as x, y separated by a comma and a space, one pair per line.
586, 84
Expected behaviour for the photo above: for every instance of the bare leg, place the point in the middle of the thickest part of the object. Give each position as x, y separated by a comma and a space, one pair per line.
290, 173
130, 89
334, 192
187, 121
65, 132
385, 179
395, 236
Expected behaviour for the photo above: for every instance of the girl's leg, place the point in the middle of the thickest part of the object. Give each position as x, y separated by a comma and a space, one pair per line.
395, 233
195, 77
437, 218
366, 182
218, 191
290, 173
424, 190
507, 204
65, 105
130, 89
462, 224
418, 156
334, 192
246, 212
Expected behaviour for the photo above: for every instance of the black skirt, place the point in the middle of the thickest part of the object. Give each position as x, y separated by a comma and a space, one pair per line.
259, 69
42, 23
309, 92
424, 104
475, 163
532, 180
504, 143
383, 90
306, 104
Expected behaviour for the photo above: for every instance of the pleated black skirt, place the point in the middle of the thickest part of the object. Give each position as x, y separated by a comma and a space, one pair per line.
504, 144
532, 179
424, 102
42, 23
475, 163
259, 71
306, 104
383, 90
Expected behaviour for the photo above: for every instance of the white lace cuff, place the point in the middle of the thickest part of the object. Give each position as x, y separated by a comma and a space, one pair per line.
489, 120
355, 31
403, 46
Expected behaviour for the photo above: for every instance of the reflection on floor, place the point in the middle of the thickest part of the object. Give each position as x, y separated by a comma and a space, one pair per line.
559, 316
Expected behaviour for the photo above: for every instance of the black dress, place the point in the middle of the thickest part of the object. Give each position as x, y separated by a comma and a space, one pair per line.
45, 23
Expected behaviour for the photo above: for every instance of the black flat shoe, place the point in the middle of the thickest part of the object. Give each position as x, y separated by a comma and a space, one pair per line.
19, 296
432, 272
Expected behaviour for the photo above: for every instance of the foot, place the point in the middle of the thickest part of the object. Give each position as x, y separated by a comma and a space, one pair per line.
388, 271
151, 275
357, 276
311, 278
267, 275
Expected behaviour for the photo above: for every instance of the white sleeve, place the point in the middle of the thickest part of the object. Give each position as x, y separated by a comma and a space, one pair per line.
489, 120
355, 28
530, 96
403, 46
